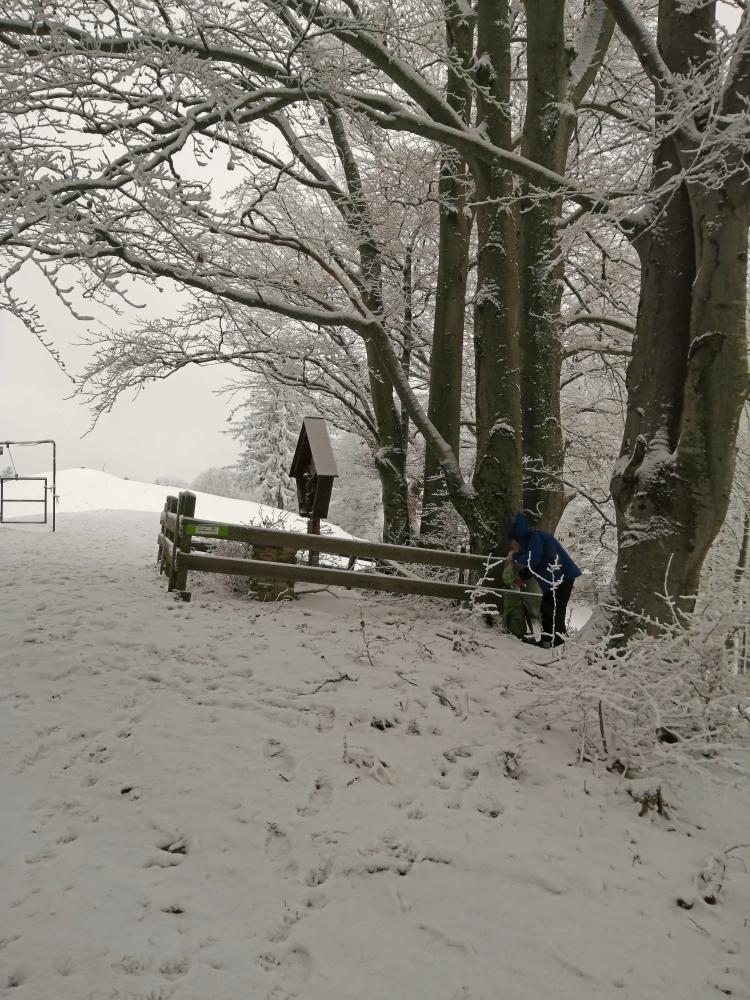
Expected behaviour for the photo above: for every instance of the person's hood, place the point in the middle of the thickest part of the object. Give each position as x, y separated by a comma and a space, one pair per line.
520, 530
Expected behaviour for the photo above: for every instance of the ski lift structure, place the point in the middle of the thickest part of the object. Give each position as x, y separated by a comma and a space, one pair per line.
48, 490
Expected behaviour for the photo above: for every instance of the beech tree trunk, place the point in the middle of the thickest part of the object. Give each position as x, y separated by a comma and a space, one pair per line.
390, 462
545, 140
673, 482
390, 457
688, 376
557, 83
392, 430
446, 359
497, 474
517, 348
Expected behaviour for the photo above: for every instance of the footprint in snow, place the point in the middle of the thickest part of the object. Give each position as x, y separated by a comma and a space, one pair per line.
173, 968
383, 722
292, 972
176, 845
278, 852
63, 965
131, 965
320, 797
292, 916
491, 808
13, 979
68, 837
41, 857
280, 757
171, 853
319, 876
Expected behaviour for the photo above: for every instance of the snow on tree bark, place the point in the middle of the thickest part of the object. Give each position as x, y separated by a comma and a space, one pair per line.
688, 376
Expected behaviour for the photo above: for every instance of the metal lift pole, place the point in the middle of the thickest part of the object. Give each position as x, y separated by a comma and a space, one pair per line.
54, 482
54, 466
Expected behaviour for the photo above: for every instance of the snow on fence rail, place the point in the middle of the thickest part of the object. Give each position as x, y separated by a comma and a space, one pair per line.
180, 526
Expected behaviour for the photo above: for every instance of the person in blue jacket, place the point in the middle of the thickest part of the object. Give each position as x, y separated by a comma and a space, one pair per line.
542, 557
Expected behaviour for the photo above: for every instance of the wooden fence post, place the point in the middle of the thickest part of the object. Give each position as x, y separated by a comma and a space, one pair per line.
160, 540
273, 589
313, 528
185, 511
170, 507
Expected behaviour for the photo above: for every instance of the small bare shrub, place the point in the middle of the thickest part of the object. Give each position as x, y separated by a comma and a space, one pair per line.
267, 517
676, 693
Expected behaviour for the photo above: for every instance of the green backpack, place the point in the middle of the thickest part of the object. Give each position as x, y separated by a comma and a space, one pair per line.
514, 613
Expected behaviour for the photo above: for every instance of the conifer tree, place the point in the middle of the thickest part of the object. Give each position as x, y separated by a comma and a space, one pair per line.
268, 432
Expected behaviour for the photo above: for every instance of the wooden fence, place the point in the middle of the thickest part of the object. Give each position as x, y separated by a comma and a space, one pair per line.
180, 528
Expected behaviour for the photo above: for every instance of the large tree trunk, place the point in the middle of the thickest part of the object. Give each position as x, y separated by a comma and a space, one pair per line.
545, 141
556, 86
717, 375
519, 279
688, 374
673, 481
644, 486
497, 473
446, 359
392, 431
390, 457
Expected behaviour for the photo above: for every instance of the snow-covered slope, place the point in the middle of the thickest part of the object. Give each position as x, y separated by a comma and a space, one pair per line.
81, 490
339, 798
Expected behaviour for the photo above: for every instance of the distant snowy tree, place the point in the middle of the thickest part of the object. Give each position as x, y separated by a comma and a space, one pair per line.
220, 482
171, 481
268, 432
355, 502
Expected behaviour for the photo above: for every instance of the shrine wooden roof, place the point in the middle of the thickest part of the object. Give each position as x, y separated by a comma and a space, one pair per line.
314, 442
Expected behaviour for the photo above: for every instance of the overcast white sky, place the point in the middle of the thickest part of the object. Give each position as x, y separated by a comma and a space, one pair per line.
139, 439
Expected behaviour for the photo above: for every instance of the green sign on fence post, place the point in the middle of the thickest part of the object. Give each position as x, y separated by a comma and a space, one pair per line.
208, 530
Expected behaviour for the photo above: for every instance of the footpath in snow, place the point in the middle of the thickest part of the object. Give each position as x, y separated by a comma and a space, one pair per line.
327, 799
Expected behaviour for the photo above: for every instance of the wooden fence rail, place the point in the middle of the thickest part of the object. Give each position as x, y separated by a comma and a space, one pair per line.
330, 544
179, 526
325, 576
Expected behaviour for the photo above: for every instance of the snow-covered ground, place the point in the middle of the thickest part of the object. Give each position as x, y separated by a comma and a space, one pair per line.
329, 799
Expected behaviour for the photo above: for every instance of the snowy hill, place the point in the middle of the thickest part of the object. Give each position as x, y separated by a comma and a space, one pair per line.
81, 490
339, 798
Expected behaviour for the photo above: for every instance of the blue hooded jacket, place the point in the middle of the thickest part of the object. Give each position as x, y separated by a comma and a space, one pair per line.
541, 555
